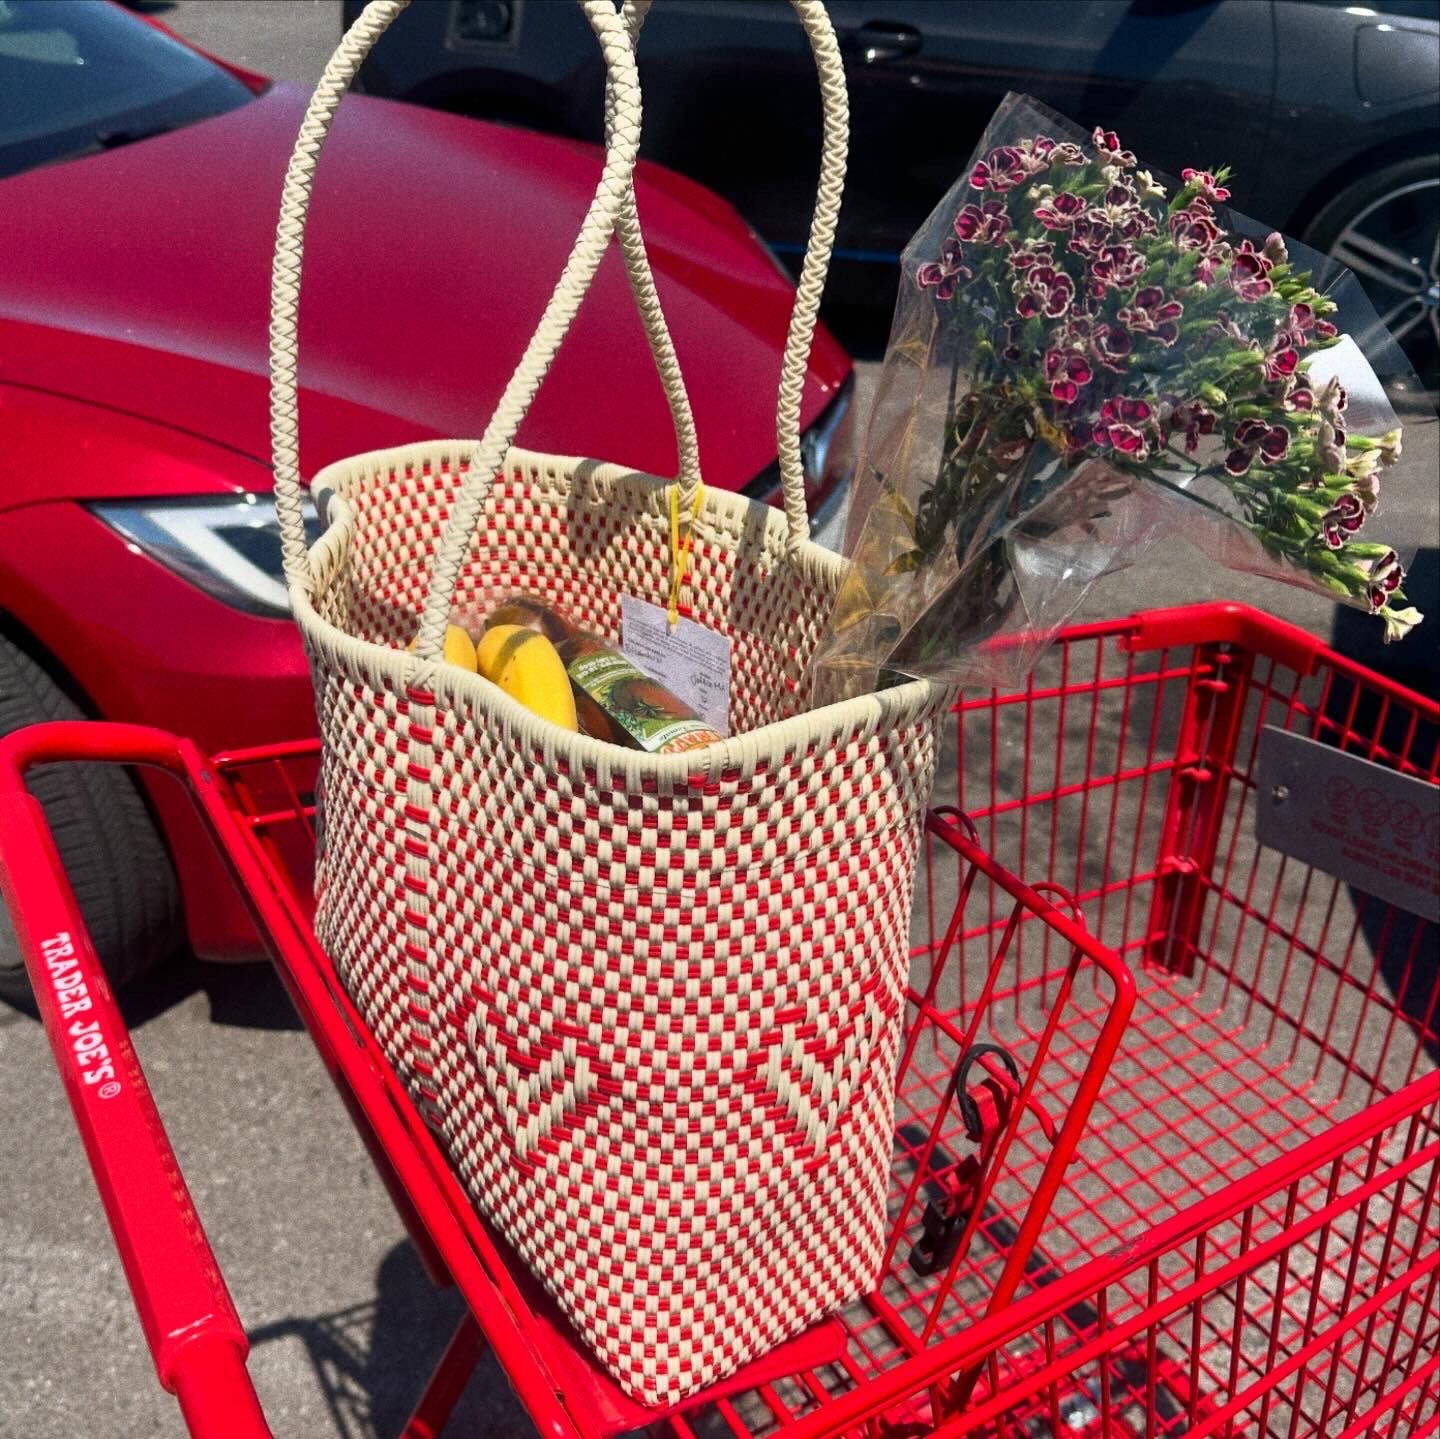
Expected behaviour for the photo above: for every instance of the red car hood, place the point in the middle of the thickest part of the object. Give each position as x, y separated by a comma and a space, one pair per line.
138, 280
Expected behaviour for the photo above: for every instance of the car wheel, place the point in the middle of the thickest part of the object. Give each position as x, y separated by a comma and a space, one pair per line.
1386, 228
113, 854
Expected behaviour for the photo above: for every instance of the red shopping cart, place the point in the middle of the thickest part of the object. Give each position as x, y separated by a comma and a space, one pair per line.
1167, 1139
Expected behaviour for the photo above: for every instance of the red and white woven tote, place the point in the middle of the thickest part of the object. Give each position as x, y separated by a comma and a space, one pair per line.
651, 1004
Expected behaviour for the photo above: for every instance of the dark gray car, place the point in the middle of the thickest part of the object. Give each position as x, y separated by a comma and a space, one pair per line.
1326, 110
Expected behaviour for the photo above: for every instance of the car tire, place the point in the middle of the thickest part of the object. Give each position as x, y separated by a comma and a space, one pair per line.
114, 856
1399, 202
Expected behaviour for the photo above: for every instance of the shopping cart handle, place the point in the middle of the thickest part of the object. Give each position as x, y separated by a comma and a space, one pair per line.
190, 1324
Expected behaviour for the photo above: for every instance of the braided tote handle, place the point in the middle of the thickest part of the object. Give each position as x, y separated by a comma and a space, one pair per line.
622, 112
834, 148
647, 300
613, 207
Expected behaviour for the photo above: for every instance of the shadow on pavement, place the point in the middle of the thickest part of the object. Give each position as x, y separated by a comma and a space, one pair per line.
372, 1360
245, 996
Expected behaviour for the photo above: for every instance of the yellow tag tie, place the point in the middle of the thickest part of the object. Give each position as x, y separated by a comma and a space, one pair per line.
680, 546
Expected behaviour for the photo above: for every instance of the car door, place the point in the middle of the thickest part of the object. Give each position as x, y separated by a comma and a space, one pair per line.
730, 94
1185, 82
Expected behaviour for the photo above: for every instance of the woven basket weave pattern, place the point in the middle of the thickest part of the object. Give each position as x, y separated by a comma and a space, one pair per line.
650, 1003
582, 534
655, 1023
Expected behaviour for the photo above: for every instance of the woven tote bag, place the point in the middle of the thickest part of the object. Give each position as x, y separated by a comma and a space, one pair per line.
649, 1003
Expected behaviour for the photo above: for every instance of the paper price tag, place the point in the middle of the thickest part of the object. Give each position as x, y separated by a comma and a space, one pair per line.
690, 660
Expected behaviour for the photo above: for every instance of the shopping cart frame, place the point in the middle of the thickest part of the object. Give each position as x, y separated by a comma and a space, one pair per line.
196, 1339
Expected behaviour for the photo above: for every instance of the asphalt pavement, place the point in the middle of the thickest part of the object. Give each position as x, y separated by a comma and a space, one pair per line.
343, 1324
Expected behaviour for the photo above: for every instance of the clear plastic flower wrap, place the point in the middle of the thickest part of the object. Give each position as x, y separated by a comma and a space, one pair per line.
1087, 361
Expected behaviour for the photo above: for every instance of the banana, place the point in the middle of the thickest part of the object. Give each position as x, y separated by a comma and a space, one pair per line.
528, 668
458, 648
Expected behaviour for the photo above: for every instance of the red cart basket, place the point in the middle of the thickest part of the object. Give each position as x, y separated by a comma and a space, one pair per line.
1168, 1119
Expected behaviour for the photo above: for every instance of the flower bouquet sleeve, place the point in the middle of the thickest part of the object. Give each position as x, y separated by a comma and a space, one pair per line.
1086, 361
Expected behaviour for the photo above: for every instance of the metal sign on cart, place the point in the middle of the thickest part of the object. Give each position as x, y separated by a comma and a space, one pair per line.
1351, 817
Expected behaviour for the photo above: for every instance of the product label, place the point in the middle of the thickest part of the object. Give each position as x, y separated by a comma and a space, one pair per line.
694, 660
637, 703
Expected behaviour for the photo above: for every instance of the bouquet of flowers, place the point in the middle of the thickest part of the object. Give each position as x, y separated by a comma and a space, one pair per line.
1084, 359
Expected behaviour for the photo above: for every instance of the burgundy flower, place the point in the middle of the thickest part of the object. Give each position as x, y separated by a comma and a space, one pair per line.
1118, 202
1255, 439
944, 275
1385, 578
1107, 142
1120, 207
1050, 152
985, 224
1002, 170
1060, 211
1194, 227
1324, 330
1066, 373
1089, 235
1124, 438
1249, 273
1276, 445
1138, 222
1011, 350
1206, 183
1111, 345
1342, 519
1150, 313
1078, 434
1295, 333
1130, 412
1298, 396
1048, 292
1195, 420
1280, 363
1118, 266
1031, 253
1030, 163
1211, 265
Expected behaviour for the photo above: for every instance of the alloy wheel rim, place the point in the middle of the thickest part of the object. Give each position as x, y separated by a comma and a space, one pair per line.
1397, 260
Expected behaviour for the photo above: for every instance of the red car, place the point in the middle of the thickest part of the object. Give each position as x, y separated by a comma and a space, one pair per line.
139, 564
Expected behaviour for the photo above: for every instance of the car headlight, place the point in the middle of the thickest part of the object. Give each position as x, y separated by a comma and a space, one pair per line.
229, 545
226, 545
827, 456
